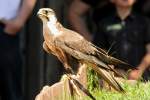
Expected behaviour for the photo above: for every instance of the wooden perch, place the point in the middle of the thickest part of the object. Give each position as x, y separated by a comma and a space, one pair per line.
60, 90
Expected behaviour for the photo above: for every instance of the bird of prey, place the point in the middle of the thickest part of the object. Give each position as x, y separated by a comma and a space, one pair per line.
63, 43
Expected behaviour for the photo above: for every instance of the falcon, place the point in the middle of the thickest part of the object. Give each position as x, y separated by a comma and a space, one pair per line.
65, 43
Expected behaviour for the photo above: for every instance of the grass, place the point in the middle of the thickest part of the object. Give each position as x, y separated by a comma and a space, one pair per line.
139, 91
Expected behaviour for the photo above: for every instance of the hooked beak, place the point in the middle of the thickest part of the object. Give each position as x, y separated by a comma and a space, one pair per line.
40, 14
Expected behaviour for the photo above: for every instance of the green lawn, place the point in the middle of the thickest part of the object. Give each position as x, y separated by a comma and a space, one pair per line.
140, 91
137, 91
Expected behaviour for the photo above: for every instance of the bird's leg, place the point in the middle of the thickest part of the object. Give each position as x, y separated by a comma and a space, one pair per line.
68, 68
64, 60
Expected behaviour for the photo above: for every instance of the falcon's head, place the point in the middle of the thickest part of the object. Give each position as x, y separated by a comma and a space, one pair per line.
47, 15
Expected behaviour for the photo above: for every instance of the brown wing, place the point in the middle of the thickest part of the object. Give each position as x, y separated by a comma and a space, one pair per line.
102, 70
76, 42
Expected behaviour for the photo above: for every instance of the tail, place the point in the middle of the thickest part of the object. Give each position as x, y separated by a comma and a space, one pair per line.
103, 56
117, 62
113, 61
108, 78
103, 65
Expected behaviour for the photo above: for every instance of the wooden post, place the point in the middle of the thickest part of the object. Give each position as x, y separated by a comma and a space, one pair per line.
60, 90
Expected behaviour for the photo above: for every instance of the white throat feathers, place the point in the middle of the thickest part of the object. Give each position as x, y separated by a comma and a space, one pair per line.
52, 26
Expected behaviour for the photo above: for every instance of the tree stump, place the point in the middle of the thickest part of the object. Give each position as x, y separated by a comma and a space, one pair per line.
61, 91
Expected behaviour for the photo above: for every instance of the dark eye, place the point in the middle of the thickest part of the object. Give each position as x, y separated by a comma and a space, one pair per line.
46, 11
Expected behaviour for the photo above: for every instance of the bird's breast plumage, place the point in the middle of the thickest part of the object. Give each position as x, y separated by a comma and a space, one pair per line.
53, 29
